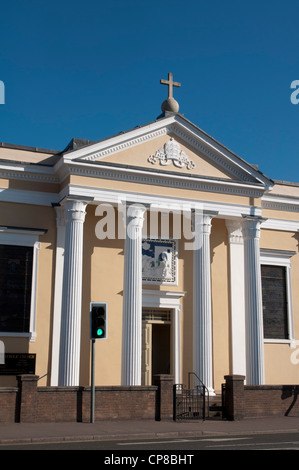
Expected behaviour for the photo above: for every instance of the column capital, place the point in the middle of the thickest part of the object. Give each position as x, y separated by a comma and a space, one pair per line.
60, 219
74, 210
136, 211
251, 226
234, 229
135, 220
202, 220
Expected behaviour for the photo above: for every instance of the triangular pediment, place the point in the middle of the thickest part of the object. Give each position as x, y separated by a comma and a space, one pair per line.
170, 146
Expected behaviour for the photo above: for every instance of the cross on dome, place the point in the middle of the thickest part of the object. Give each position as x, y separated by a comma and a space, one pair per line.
170, 84
170, 104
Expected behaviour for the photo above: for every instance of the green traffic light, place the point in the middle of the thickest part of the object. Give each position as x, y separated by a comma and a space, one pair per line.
99, 332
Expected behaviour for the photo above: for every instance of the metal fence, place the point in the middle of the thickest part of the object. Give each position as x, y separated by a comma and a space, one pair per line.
189, 404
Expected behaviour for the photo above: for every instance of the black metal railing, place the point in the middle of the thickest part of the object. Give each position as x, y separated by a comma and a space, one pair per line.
190, 403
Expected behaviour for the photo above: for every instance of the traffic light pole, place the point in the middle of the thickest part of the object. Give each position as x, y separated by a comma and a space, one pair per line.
92, 382
98, 330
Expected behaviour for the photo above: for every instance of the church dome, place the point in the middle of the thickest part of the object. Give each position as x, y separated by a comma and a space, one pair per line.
170, 105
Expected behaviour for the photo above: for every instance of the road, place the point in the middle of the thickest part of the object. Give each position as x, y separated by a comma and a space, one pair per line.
166, 451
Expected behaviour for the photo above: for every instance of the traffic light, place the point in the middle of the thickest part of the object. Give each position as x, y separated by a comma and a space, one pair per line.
98, 320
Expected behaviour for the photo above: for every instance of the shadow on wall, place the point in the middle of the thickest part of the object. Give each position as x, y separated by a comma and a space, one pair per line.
287, 392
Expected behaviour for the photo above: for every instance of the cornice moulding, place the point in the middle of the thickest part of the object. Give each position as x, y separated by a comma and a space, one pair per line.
152, 177
279, 202
284, 255
158, 202
281, 225
200, 138
128, 143
27, 172
122, 140
20, 196
217, 155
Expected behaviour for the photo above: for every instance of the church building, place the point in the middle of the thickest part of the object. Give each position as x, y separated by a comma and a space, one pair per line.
189, 252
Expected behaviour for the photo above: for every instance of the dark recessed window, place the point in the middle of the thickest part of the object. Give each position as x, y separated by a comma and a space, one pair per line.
15, 288
275, 307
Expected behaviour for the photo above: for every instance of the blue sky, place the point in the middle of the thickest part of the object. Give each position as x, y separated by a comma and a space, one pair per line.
92, 69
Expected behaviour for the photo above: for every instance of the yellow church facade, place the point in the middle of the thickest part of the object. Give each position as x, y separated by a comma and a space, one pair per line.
192, 251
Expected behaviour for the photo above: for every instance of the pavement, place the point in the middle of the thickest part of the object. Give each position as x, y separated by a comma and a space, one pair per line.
141, 429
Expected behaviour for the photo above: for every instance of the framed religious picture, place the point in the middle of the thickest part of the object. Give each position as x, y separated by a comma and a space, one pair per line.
159, 261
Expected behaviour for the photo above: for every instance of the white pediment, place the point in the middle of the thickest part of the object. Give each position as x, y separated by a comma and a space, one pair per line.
170, 144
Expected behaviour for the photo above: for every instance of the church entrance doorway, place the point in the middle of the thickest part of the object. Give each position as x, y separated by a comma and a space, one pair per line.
156, 343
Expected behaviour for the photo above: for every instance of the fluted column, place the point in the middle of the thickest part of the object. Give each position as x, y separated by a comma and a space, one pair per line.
237, 301
177, 344
202, 305
253, 302
132, 300
69, 363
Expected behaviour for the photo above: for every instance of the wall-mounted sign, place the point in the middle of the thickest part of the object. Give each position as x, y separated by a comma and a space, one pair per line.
18, 364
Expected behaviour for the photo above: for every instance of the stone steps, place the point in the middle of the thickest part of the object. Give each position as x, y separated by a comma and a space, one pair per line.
215, 406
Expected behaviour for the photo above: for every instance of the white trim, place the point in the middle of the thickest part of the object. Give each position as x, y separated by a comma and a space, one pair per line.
281, 258
213, 149
124, 144
59, 268
170, 300
280, 224
237, 296
162, 202
276, 257
161, 299
32, 325
19, 236
28, 197
25, 237
17, 335
27, 171
280, 203
122, 141
154, 177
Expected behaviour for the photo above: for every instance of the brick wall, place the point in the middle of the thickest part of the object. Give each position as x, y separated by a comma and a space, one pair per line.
121, 403
245, 401
54, 404
271, 400
29, 403
9, 404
